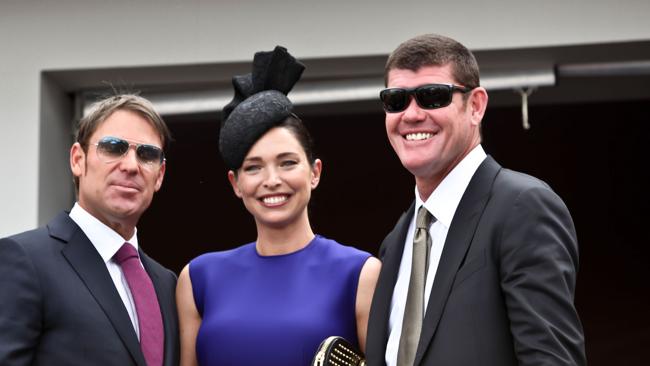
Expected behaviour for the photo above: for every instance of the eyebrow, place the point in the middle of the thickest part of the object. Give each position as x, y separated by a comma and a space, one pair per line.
135, 142
279, 156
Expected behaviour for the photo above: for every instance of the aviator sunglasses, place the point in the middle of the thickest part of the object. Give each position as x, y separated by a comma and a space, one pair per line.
111, 149
430, 96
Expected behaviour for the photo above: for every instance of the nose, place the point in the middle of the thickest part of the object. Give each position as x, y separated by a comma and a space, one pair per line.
413, 113
129, 161
272, 178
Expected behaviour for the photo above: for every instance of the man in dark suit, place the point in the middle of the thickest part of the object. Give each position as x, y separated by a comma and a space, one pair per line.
481, 269
80, 291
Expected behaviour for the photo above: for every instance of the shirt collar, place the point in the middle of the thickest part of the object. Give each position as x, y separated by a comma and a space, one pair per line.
106, 240
444, 200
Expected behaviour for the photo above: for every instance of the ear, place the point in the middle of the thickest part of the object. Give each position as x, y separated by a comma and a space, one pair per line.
77, 160
478, 103
233, 182
316, 170
161, 175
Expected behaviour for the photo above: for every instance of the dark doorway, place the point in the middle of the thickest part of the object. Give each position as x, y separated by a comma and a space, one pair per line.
593, 155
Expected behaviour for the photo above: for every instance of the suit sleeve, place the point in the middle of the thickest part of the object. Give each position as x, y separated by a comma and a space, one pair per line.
20, 305
539, 262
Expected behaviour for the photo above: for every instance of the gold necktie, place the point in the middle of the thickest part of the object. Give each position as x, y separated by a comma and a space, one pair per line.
414, 310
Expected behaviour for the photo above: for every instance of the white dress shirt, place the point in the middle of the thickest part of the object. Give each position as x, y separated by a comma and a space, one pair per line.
442, 205
107, 242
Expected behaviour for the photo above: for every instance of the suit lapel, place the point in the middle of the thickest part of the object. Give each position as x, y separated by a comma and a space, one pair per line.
459, 237
84, 259
391, 256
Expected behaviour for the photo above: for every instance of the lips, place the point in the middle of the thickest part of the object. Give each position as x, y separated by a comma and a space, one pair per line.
126, 186
274, 200
418, 136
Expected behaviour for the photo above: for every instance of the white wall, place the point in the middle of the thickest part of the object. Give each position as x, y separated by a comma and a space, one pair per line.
37, 36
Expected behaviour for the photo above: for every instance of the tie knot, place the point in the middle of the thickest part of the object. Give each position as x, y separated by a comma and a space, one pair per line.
424, 218
127, 251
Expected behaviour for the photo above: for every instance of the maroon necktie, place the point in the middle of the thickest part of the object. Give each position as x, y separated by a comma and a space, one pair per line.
146, 304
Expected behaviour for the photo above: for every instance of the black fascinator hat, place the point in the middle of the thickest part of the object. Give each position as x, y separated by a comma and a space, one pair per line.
260, 103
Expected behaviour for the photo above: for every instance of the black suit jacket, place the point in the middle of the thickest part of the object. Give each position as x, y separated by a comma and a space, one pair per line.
503, 292
59, 305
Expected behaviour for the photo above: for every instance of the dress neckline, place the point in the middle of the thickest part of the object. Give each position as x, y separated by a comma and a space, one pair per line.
284, 255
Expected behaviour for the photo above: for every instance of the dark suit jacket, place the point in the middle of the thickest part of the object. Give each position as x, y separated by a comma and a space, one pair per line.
59, 305
503, 292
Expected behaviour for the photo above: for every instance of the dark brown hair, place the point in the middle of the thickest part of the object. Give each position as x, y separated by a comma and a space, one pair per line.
435, 50
295, 125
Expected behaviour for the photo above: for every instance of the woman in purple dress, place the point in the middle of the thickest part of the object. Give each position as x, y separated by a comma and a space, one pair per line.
271, 302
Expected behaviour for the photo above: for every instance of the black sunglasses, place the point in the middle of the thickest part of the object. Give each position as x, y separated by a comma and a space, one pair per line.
110, 149
430, 96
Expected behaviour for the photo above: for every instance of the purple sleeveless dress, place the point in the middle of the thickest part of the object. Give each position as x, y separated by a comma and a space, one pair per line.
274, 310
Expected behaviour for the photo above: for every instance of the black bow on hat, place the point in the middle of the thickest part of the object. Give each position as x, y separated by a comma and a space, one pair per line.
259, 104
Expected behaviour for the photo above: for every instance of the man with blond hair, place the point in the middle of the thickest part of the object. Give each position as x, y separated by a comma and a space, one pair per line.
80, 291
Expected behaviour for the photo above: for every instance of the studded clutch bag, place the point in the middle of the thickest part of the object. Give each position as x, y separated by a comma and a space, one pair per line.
336, 351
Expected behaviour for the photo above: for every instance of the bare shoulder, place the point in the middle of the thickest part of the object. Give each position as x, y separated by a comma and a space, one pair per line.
370, 272
184, 277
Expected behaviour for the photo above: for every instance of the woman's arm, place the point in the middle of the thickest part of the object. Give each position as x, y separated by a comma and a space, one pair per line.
365, 290
188, 317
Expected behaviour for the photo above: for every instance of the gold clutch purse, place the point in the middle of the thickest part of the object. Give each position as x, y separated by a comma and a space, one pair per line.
336, 351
